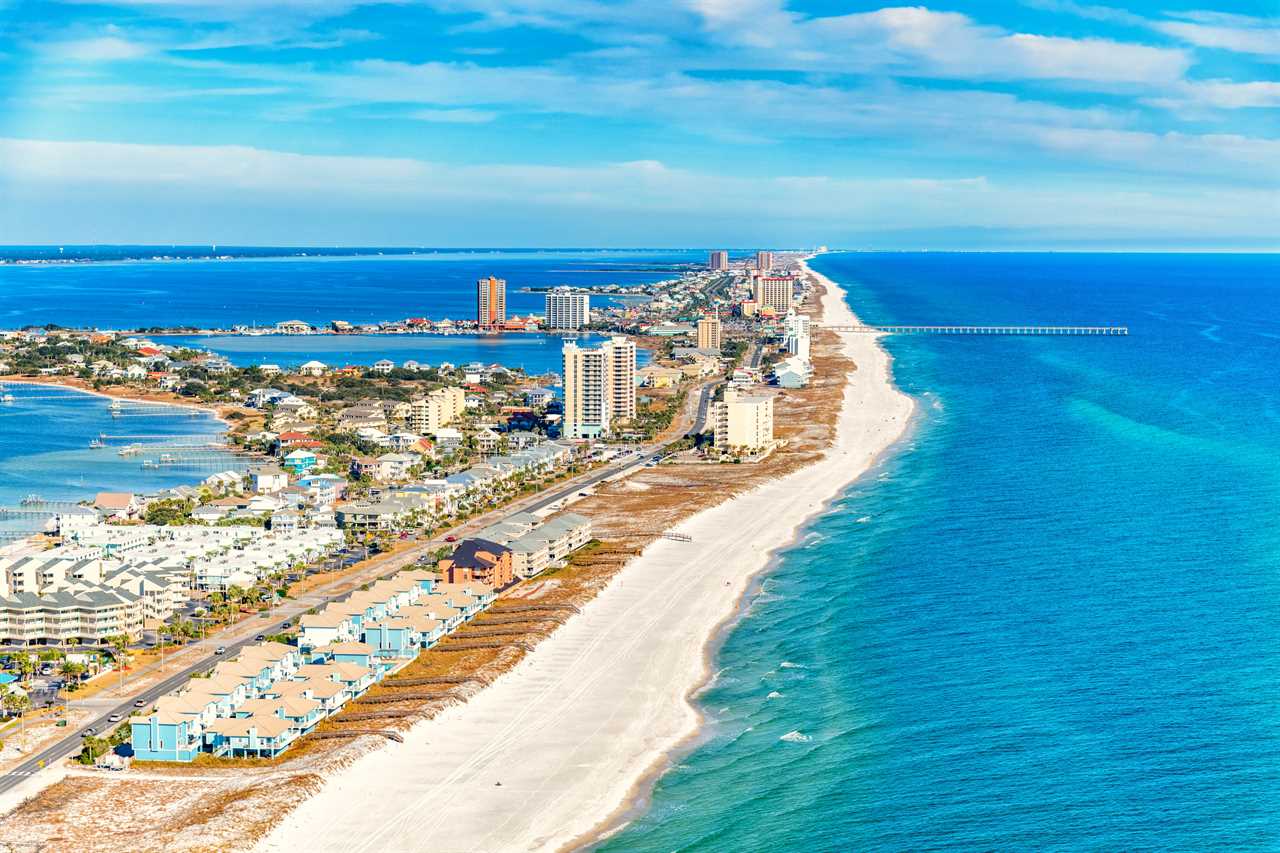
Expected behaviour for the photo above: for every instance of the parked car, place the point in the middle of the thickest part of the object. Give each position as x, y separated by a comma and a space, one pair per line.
259, 638
220, 650
451, 538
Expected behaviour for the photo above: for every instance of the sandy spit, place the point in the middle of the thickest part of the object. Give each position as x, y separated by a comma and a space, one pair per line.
554, 750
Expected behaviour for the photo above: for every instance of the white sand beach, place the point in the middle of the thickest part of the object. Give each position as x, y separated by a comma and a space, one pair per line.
548, 753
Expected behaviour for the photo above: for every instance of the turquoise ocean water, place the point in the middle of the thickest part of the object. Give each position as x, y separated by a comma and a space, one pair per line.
1051, 619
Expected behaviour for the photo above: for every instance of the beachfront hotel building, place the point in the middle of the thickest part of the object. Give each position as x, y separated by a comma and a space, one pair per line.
776, 292
719, 261
764, 261
567, 310
709, 333
743, 421
491, 302
599, 387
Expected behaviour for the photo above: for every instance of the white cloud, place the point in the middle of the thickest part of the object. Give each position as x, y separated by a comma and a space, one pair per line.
626, 194
1223, 30
96, 49
462, 116
224, 10
1226, 32
1220, 94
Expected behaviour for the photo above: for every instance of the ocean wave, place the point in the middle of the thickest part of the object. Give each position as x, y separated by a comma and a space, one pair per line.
864, 519
786, 664
795, 737
773, 694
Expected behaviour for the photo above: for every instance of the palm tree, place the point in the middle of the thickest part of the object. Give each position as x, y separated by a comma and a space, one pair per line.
26, 667
120, 648
16, 703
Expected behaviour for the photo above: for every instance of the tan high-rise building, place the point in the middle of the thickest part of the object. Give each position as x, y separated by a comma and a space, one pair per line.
437, 410
764, 261
599, 387
622, 376
719, 260
743, 421
709, 333
491, 302
776, 292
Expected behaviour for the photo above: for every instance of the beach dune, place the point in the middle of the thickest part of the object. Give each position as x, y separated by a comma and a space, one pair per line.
553, 751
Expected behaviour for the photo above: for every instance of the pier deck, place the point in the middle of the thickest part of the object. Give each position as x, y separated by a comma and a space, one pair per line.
982, 330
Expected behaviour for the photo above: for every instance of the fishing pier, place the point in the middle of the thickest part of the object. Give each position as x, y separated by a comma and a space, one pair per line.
983, 330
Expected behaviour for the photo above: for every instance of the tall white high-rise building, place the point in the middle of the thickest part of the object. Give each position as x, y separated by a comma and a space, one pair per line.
599, 387
568, 310
795, 330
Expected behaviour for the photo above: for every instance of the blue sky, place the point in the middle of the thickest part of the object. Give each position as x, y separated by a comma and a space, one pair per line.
1031, 124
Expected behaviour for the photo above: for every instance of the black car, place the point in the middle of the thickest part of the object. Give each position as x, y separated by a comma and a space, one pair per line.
259, 638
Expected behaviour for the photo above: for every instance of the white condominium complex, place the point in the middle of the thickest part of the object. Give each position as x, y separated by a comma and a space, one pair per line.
599, 387
719, 260
743, 421
764, 261
438, 409
491, 302
709, 333
568, 310
109, 579
776, 292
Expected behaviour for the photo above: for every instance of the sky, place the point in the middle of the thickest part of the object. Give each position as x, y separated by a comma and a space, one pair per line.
1020, 124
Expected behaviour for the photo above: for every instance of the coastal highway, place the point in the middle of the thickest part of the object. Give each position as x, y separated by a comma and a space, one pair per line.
71, 744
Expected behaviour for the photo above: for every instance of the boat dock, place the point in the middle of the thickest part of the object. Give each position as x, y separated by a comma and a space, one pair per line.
983, 330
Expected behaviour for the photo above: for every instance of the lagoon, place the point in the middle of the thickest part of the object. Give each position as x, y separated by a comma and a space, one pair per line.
536, 353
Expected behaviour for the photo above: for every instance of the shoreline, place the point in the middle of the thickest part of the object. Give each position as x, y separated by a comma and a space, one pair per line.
639, 798
218, 413
224, 427
535, 722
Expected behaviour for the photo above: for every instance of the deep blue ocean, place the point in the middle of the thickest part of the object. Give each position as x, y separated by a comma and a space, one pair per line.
1051, 619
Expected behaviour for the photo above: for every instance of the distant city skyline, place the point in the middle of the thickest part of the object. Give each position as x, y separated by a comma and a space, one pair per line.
1040, 124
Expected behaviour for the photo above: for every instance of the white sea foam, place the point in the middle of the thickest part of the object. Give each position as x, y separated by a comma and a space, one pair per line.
773, 694
786, 664
795, 737
864, 519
